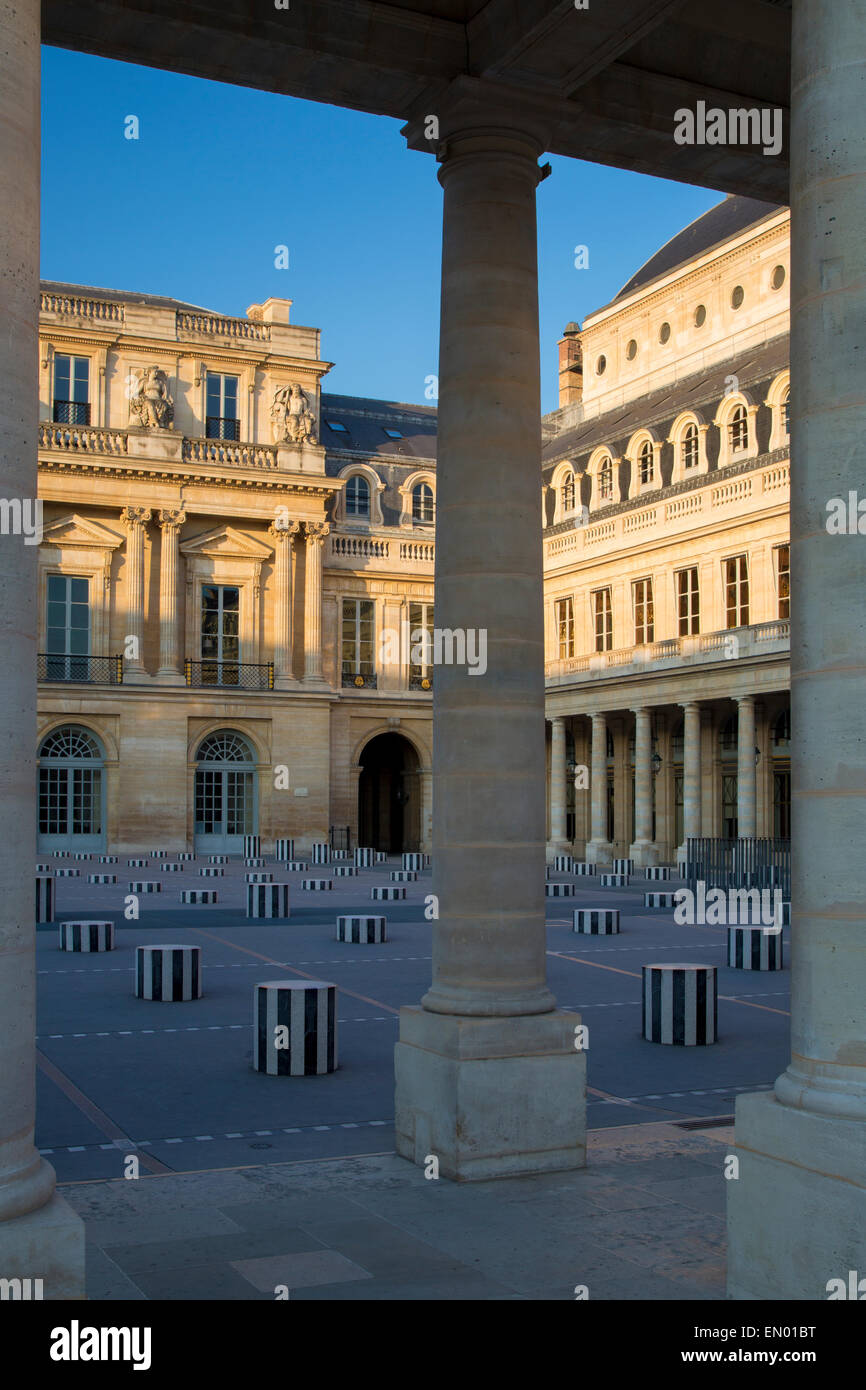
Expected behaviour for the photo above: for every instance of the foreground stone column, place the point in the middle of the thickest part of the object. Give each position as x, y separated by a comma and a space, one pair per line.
487, 1075
558, 839
316, 533
169, 618
599, 850
135, 520
40, 1236
283, 536
797, 1212
691, 775
642, 850
746, 770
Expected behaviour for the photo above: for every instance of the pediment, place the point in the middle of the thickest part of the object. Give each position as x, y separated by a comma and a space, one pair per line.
225, 541
82, 531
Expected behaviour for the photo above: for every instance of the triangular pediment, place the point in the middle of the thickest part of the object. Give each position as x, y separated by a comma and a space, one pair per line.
81, 530
226, 541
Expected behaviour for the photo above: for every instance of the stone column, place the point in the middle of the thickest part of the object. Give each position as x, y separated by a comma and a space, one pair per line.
135, 520
691, 775
316, 531
746, 776
487, 1074
797, 1213
598, 851
283, 533
40, 1236
170, 671
558, 839
642, 850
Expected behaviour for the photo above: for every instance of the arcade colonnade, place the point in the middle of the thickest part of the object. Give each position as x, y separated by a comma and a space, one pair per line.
487, 1075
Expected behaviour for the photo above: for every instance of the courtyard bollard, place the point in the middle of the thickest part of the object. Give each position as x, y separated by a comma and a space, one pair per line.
381, 856
44, 897
168, 974
269, 900
284, 849
658, 873
345, 870
563, 864
559, 890
596, 921
67, 873
365, 858
252, 846
659, 900
387, 893
680, 1004
362, 931
403, 875
613, 880
87, 936
198, 895
412, 860
295, 1027
256, 862
317, 885
623, 866
583, 870
102, 878
320, 852
295, 866
754, 948
144, 886
211, 871
260, 877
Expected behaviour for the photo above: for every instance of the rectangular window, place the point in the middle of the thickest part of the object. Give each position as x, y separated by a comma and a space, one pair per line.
420, 645
644, 622
357, 643
67, 627
71, 390
220, 634
602, 615
565, 626
688, 602
736, 591
222, 407
783, 579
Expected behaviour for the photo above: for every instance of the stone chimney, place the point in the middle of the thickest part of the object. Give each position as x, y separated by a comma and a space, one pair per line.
570, 366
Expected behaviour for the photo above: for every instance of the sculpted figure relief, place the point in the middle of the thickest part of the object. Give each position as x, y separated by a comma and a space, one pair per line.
150, 400
291, 417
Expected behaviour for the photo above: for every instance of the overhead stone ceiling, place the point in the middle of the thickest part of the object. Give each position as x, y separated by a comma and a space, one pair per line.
607, 80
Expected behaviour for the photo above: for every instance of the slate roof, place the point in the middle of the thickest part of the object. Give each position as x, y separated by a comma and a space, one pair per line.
366, 422
157, 301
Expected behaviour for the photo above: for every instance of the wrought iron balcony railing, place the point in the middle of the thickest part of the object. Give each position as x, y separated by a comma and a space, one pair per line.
72, 412
239, 675
222, 427
89, 670
360, 682
421, 682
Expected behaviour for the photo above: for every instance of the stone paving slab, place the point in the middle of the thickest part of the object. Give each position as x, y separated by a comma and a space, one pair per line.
644, 1221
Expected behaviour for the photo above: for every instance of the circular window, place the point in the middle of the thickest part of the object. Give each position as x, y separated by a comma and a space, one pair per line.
700, 315
600, 365
778, 277
631, 350
664, 333
737, 297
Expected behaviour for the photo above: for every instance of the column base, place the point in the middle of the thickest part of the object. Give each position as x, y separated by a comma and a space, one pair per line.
644, 854
170, 677
490, 1097
599, 852
46, 1244
555, 847
797, 1210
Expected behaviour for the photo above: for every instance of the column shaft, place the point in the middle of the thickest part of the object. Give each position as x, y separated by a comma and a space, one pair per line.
557, 784
691, 774
316, 533
169, 615
642, 849
746, 777
283, 535
598, 849
135, 519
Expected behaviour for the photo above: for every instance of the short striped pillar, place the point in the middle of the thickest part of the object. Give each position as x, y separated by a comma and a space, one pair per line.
786, 914
321, 852
389, 893
217, 859
339, 854
158, 853
168, 973
108, 858
345, 870
296, 866
659, 899
317, 885
45, 897
193, 896
365, 858
172, 868
268, 900
136, 863
411, 860
102, 878
295, 1027
284, 849
44, 869
260, 876
143, 886
67, 873
211, 871
61, 853
362, 931
256, 862
80, 854
559, 890
613, 880
596, 921
563, 863
754, 948
381, 856
403, 875
87, 936
658, 873
583, 870
186, 857
252, 846
623, 866
680, 1004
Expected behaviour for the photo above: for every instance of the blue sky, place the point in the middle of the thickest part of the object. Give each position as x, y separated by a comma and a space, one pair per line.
221, 175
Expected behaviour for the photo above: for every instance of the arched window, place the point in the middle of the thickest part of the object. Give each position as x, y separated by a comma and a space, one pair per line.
690, 447
605, 480
783, 411
646, 462
738, 430
357, 496
568, 493
70, 790
422, 502
225, 792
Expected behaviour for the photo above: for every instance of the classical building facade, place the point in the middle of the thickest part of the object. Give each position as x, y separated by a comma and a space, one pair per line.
236, 567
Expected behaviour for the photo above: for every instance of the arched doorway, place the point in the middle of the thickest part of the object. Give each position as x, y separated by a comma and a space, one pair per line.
389, 795
71, 791
225, 792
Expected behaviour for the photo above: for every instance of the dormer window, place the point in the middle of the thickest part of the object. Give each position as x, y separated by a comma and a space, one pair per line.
336, 426
422, 502
393, 434
357, 497
691, 447
568, 493
646, 463
738, 430
605, 481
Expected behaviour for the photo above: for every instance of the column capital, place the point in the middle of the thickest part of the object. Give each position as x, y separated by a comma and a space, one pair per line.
316, 531
171, 519
477, 111
690, 704
745, 699
284, 530
135, 516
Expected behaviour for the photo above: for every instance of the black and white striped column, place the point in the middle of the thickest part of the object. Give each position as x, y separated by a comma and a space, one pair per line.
44, 897
583, 870
217, 859
365, 858
596, 921
563, 863
87, 936
403, 875
412, 860
659, 899
186, 856
362, 931
81, 854
67, 873
260, 876
658, 873
320, 852
753, 948
108, 858
137, 864
252, 846
284, 849
296, 866
168, 973
257, 861
158, 853
613, 880
144, 886
295, 1027
268, 900
680, 1004
623, 866
389, 893
192, 896
559, 890
345, 870
44, 869
317, 885
381, 856
211, 871
172, 868
102, 878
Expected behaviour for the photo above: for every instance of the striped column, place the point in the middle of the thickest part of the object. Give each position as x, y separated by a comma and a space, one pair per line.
680, 1004
211, 871
659, 900
44, 897
559, 890
80, 854
596, 921
102, 878
158, 853
192, 896
321, 852
112, 858
67, 873
381, 857
144, 886
136, 863
44, 869
563, 864
87, 936
217, 859
168, 973
753, 948
345, 870
295, 1027
284, 849
388, 893
411, 860
252, 846
172, 868
268, 900
613, 880
623, 866
365, 858
296, 866
317, 885
362, 931
657, 872
403, 875
255, 861
260, 876
583, 870
186, 857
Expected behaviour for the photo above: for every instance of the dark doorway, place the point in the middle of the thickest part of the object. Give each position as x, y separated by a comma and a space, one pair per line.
389, 795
